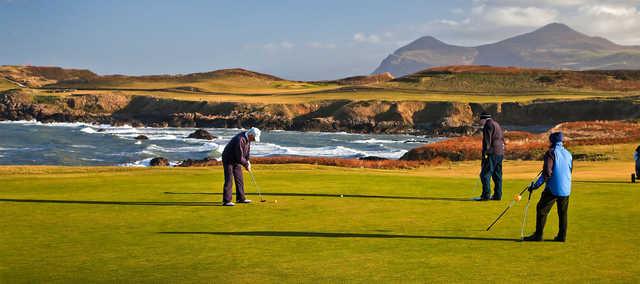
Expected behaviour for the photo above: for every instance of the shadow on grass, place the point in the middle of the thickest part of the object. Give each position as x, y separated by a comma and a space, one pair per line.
338, 195
335, 235
139, 203
603, 181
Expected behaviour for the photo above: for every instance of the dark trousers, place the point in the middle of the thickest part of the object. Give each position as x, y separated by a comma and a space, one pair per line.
491, 169
638, 169
544, 206
232, 172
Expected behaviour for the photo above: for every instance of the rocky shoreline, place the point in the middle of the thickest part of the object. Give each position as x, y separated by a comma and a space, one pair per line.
409, 117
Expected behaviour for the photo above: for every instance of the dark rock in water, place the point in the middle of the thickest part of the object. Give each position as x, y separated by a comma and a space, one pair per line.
159, 162
141, 137
373, 158
102, 130
137, 124
201, 134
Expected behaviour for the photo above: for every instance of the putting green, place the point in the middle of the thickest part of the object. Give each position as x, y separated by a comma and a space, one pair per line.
166, 225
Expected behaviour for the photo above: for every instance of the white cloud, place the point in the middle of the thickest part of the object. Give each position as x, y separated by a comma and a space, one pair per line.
520, 16
364, 38
491, 20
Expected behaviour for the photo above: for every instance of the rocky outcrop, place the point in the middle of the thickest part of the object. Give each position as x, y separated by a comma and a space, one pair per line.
141, 137
439, 118
27, 105
201, 134
159, 162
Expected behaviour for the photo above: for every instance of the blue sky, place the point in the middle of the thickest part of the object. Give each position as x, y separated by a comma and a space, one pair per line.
304, 40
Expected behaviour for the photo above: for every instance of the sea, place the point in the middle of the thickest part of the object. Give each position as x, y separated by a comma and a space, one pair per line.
81, 144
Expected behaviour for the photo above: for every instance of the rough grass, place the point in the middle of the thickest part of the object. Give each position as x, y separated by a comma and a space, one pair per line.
6, 85
163, 225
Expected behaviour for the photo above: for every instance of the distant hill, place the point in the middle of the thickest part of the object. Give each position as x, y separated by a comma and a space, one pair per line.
554, 46
220, 81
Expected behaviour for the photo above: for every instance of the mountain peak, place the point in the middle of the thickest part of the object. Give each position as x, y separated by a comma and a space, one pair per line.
557, 28
425, 42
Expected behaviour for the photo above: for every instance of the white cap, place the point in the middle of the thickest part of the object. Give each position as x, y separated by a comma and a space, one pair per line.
255, 132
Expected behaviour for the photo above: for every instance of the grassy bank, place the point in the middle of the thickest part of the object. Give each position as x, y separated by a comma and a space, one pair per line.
148, 225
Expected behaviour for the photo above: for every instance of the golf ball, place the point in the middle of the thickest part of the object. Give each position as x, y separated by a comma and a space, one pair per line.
341, 195
275, 201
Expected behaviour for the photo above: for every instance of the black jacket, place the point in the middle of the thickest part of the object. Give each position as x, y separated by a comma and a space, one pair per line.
237, 151
492, 138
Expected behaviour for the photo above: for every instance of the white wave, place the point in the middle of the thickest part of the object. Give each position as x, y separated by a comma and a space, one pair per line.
138, 142
142, 163
88, 130
53, 124
146, 163
202, 148
269, 149
84, 146
92, 160
20, 122
375, 141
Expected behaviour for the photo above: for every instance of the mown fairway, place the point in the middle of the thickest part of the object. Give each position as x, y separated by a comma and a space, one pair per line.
166, 225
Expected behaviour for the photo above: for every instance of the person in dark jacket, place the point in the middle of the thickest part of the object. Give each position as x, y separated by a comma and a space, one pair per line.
556, 173
234, 157
492, 156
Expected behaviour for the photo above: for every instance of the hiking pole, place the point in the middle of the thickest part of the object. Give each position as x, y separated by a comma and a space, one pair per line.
256, 186
513, 202
524, 218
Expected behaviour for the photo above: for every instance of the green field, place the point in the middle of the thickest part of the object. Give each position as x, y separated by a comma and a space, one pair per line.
165, 225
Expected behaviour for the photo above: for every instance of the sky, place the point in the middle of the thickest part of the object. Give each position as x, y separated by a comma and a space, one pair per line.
300, 40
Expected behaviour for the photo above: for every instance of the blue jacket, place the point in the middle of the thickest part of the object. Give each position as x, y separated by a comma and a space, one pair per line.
556, 172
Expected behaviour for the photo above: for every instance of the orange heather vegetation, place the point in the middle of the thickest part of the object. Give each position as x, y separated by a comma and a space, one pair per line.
337, 162
528, 146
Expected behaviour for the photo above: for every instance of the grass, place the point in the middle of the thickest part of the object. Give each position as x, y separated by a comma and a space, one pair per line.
299, 96
6, 85
121, 225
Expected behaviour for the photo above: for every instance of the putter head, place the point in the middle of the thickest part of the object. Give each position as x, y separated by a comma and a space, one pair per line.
263, 200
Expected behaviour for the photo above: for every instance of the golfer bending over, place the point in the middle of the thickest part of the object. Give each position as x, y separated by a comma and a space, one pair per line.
236, 154
556, 173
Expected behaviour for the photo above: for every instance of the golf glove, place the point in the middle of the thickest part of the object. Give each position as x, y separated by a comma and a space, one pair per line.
248, 166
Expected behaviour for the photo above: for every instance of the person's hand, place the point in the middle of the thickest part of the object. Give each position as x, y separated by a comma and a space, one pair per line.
248, 166
531, 187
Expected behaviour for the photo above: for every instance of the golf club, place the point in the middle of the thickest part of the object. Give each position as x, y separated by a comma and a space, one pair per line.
524, 217
256, 186
513, 202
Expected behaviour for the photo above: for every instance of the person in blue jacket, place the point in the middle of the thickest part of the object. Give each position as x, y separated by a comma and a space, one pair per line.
556, 173
636, 157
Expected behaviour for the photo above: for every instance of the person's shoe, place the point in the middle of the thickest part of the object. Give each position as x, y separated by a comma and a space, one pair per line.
244, 201
480, 199
228, 204
559, 239
532, 238
496, 198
